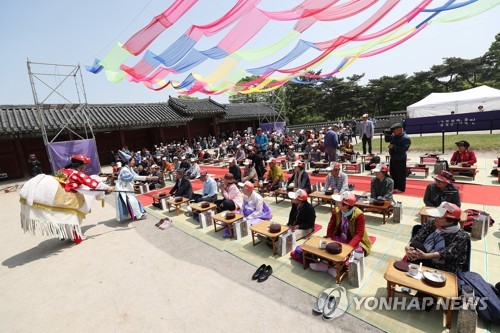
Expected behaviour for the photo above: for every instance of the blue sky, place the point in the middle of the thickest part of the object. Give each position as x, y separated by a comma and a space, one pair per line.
72, 32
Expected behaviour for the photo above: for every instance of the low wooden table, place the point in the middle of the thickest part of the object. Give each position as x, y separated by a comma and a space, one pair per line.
220, 219
177, 205
417, 168
369, 207
280, 193
428, 158
456, 169
396, 277
356, 167
320, 195
157, 198
198, 209
262, 228
424, 215
366, 158
320, 165
311, 250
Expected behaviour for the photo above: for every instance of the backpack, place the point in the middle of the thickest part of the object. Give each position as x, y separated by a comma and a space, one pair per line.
487, 296
471, 216
441, 165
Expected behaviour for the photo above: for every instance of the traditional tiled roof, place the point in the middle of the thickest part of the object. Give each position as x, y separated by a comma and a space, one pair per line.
248, 111
198, 108
24, 118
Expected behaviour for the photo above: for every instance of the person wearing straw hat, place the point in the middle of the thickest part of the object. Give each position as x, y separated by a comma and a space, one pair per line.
127, 204
347, 226
254, 208
381, 185
441, 243
302, 215
441, 190
300, 178
249, 173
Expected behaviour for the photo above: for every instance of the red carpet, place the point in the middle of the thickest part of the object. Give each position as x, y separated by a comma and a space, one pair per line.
469, 193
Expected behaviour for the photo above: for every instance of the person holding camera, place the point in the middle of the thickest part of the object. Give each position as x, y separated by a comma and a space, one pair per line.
399, 145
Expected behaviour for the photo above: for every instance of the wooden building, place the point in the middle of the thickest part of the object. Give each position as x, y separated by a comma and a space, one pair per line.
117, 125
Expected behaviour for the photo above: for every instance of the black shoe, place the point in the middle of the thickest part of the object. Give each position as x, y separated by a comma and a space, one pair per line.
255, 275
265, 274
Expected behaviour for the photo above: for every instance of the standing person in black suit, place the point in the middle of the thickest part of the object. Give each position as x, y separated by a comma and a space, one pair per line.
400, 143
182, 187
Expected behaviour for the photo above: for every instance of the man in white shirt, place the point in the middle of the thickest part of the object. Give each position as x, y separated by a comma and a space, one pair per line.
366, 133
194, 170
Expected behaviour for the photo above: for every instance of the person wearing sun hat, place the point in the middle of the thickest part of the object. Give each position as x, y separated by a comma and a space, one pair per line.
442, 190
441, 243
347, 226
232, 199
302, 215
300, 178
254, 208
381, 186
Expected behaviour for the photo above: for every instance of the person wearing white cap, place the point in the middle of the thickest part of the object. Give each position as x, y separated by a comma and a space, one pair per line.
302, 215
234, 169
254, 208
336, 180
160, 180
347, 226
184, 163
194, 170
249, 173
275, 175
300, 178
366, 132
176, 163
239, 155
381, 186
441, 243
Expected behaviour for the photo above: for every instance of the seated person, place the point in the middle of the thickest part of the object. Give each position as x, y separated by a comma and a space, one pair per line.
314, 155
206, 155
371, 164
159, 181
209, 192
382, 185
347, 226
249, 173
142, 171
254, 208
239, 155
194, 170
348, 150
232, 199
300, 178
336, 180
182, 187
290, 155
440, 243
275, 176
234, 169
464, 155
442, 190
302, 215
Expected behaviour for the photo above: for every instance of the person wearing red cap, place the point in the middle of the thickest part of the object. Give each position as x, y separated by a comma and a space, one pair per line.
302, 215
347, 223
254, 208
441, 243
381, 185
347, 226
442, 190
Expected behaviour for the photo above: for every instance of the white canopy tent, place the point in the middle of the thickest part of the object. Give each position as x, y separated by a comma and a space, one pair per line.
466, 101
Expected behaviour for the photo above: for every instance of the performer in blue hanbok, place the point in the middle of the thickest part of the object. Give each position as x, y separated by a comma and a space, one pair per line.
127, 205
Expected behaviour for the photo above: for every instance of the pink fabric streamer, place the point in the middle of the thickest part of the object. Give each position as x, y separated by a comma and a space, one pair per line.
144, 37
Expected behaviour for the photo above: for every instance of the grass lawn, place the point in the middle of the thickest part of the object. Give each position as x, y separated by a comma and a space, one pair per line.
479, 142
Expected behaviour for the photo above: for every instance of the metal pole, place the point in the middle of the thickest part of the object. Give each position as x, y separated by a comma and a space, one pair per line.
381, 134
491, 126
443, 144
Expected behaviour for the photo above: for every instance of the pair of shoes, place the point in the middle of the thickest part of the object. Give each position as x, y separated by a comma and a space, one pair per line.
265, 273
326, 304
259, 270
321, 301
165, 224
